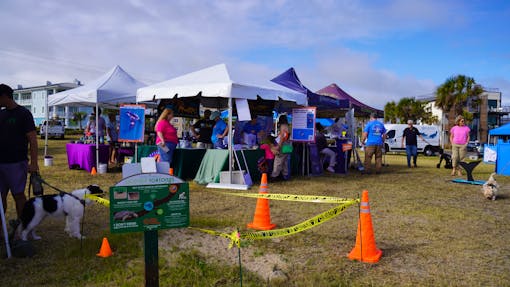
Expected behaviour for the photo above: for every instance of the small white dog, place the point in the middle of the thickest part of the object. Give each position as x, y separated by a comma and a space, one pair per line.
68, 205
490, 188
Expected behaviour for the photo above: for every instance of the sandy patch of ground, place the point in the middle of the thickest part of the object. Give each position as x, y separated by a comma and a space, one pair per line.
268, 266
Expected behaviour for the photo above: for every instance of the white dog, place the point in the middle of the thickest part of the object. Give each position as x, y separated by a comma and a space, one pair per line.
490, 188
68, 205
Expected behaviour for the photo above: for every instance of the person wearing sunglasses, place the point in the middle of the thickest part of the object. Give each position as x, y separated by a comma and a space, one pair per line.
459, 138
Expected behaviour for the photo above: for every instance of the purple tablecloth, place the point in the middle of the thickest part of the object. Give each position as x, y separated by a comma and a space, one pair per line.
84, 155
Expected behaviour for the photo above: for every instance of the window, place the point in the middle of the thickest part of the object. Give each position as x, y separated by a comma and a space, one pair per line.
390, 134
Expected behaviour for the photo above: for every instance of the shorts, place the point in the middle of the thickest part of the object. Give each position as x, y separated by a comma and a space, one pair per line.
13, 177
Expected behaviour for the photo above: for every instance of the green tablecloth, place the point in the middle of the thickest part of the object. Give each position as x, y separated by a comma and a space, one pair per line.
216, 160
185, 162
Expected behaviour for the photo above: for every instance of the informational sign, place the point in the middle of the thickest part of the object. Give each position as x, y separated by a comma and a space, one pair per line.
148, 207
132, 123
303, 124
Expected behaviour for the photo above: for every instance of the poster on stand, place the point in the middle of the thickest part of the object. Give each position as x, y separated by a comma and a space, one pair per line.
303, 124
132, 123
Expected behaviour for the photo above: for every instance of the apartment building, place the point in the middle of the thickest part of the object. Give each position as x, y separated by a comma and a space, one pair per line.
35, 99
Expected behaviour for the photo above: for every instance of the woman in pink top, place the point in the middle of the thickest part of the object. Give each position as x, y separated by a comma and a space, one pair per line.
459, 137
270, 149
166, 135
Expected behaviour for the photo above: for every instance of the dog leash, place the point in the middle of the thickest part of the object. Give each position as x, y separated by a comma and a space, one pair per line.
41, 180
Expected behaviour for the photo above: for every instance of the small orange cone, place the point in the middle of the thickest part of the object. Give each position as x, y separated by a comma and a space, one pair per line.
93, 171
171, 171
262, 218
365, 249
105, 250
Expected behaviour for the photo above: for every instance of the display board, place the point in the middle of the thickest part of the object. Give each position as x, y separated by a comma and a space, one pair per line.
132, 123
303, 124
136, 208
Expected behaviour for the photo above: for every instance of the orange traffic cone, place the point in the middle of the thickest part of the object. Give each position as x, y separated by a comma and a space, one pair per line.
365, 249
171, 171
93, 171
105, 250
262, 218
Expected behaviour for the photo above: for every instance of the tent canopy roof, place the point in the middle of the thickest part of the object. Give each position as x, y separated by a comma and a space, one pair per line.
326, 106
112, 88
213, 82
503, 130
360, 109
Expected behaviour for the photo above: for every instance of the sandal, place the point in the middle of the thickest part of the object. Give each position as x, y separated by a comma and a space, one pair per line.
453, 172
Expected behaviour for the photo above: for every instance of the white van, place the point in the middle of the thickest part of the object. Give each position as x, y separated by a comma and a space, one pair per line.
430, 133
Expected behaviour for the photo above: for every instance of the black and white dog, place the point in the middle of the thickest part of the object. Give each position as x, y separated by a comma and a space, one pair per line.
68, 205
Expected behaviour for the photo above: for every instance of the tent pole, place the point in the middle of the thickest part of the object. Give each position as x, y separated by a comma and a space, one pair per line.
46, 129
97, 136
230, 138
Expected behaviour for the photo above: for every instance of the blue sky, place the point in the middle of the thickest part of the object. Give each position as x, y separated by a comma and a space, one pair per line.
377, 51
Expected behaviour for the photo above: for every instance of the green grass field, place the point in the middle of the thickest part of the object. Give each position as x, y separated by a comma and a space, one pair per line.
432, 233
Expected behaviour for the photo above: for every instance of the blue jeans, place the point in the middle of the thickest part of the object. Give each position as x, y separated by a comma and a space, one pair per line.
411, 150
167, 156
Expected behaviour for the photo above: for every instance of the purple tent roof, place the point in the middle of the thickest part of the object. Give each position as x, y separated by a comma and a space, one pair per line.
326, 106
359, 108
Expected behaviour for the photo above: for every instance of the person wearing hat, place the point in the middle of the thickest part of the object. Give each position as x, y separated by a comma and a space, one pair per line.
219, 131
410, 135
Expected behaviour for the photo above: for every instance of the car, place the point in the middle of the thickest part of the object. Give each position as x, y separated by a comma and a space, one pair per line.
56, 128
475, 146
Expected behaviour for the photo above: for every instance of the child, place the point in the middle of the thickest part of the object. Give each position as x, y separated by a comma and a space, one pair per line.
270, 150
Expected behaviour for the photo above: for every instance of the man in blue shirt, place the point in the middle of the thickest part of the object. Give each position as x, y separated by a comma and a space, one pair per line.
373, 138
219, 131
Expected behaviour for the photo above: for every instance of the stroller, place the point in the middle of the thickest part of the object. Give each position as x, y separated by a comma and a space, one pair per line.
447, 158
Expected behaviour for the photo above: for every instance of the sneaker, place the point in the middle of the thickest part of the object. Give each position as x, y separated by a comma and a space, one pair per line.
330, 169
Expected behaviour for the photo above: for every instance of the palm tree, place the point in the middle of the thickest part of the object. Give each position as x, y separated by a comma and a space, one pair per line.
78, 117
455, 93
390, 112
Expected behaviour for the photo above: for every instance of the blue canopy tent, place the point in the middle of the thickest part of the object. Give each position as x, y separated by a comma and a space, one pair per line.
502, 132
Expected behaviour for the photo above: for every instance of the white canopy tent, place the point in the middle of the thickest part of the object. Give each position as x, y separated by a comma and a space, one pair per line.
216, 89
110, 90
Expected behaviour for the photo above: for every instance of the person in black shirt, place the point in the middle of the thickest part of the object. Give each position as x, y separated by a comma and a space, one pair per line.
411, 135
322, 147
204, 127
17, 131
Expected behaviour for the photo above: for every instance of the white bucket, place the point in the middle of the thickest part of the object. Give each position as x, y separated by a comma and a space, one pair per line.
103, 167
48, 160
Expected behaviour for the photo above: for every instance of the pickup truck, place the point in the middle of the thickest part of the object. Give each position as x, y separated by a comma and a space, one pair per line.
55, 129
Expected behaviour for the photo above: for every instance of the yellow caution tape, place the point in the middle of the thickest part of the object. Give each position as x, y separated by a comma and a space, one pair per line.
293, 197
307, 224
98, 199
235, 237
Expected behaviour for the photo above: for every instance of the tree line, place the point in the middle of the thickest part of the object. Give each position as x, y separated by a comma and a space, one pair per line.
454, 97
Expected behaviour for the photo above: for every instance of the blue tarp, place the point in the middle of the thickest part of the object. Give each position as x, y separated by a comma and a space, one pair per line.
503, 130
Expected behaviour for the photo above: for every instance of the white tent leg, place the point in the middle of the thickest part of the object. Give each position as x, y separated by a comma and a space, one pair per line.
97, 137
4, 226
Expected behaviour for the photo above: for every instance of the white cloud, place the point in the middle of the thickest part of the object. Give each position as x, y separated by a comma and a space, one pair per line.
157, 40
